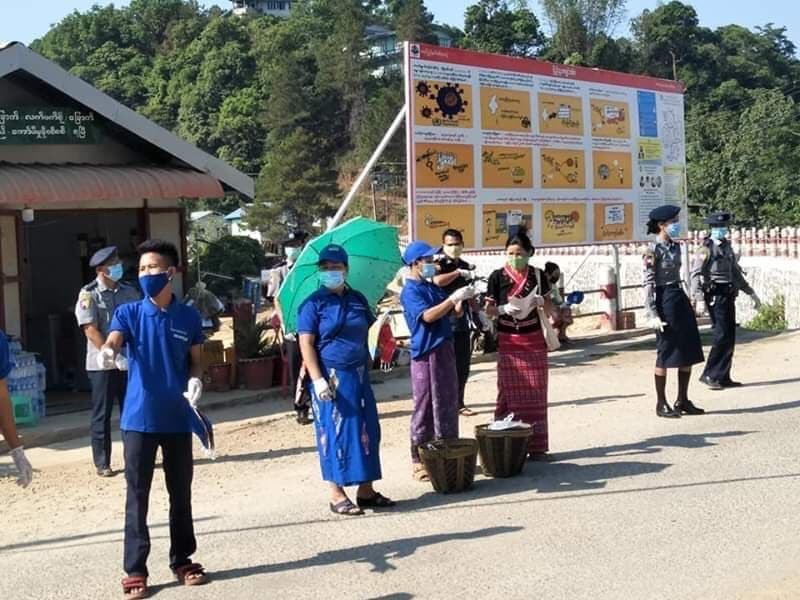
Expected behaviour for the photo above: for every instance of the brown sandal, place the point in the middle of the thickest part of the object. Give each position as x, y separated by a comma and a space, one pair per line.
134, 582
420, 473
191, 574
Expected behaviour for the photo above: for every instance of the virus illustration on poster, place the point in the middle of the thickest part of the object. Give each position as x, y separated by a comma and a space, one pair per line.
443, 104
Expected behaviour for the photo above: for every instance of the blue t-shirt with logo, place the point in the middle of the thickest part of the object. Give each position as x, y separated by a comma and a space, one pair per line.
417, 297
159, 342
5, 357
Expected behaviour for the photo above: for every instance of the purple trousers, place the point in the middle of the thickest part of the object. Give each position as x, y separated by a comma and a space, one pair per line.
434, 383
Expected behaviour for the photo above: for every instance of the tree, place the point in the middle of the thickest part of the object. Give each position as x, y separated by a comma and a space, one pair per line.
412, 21
494, 26
577, 25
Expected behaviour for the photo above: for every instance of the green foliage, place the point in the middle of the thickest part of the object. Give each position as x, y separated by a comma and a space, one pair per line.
577, 25
771, 316
494, 26
255, 339
235, 257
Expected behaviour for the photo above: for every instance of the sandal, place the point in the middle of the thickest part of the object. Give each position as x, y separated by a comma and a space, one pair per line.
191, 574
467, 412
134, 582
420, 473
345, 507
377, 500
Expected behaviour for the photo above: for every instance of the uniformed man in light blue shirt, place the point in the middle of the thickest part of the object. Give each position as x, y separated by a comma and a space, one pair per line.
164, 342
94, 309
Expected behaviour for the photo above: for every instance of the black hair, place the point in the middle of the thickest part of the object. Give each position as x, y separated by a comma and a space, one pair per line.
162, 247
453, 233
521, 239
652, 226
551, 267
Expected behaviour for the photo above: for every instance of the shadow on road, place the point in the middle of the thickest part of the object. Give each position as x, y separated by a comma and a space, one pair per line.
253, 456
379, 555
766, 408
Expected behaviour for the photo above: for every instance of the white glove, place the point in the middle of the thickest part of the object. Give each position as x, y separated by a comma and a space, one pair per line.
121, 362
700, 308
467, 274
322, 389
105, 359
512, 310
756, 301
657, 324
461, 294
23, 466
194, 389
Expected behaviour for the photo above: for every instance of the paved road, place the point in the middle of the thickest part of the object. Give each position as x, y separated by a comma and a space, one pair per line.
633, 507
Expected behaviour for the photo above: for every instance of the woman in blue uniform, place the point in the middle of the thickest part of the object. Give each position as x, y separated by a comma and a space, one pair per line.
333, 324
669, 312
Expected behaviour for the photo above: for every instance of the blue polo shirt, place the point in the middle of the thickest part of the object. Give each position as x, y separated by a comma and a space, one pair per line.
159, 343
417, 297
5, 357
340, 324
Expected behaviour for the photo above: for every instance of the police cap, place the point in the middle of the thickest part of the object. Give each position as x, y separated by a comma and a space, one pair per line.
664, 213
297, 237
720, 219
102, 256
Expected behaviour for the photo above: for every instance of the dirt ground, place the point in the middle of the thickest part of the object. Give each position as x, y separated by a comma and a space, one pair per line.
631, 506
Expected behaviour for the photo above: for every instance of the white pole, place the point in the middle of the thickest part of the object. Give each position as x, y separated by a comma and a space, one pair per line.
368, 167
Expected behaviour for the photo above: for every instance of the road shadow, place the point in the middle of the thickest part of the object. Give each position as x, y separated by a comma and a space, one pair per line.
772, 382
754, 410
378, 555
254, 456
651, 445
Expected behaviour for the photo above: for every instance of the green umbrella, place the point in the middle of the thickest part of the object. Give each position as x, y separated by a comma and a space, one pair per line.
374, 253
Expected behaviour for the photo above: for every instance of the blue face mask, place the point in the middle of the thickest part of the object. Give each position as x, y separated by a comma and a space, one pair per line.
674, 230
115, 272
152, 285
719, 233
332, 280
428, 270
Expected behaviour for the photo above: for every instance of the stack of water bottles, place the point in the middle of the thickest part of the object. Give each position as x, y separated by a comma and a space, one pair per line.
28, 377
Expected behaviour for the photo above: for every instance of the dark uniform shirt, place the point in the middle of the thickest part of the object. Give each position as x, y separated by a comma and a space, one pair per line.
715, 268
448, 265
96, 304
662, 267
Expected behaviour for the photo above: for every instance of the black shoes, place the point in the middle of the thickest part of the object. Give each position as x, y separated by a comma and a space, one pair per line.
712, 383
664, 410
303, 418
686, 407
104, 472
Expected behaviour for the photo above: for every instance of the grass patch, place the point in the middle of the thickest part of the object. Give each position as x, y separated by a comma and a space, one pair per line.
771, 316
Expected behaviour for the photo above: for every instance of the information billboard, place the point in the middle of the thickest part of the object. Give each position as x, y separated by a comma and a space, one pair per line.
575, 155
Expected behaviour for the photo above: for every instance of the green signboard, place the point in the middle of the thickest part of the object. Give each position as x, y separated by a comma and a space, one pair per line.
48, 125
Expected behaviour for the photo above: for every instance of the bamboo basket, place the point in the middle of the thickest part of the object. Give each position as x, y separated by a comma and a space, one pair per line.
503, 453
450, 464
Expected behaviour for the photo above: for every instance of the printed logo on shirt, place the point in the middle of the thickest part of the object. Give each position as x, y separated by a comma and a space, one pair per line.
180, 335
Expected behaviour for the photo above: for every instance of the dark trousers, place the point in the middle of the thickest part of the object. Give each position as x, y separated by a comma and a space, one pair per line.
463, 347
295, 360
722, 309
140, 459
108, 388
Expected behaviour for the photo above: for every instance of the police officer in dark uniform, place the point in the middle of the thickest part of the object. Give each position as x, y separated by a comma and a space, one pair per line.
716, 281
455, 273
670, 313
94, 310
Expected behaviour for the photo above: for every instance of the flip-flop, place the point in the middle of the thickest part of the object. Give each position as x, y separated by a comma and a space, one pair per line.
420, 473
467, 412
134, 582
191, 574
377, 500
347, 508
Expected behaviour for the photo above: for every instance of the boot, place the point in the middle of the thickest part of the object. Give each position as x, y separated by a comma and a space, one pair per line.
662, 408
683, 405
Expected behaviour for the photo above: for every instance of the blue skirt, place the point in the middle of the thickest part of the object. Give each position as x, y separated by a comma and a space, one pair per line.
679, 345
347, 428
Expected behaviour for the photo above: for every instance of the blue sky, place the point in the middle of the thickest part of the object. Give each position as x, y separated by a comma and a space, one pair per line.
25, 21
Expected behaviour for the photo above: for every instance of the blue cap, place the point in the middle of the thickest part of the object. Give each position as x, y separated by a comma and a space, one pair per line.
720, 219
102, 256
664, 213
333, 253
416, 250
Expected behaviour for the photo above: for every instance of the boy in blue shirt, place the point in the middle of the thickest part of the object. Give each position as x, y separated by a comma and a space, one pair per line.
434, 379
164, 341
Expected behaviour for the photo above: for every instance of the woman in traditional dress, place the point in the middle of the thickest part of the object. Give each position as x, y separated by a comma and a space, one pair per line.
670, 313
434, 379
333, 324
513, 296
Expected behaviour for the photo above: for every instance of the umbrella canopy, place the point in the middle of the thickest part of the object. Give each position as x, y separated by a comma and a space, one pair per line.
374, 254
